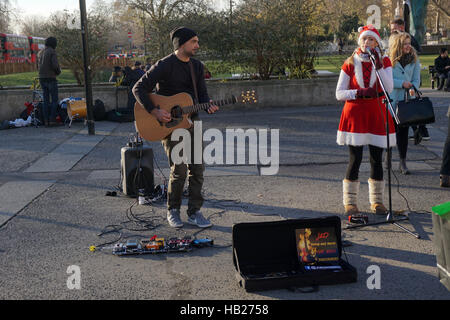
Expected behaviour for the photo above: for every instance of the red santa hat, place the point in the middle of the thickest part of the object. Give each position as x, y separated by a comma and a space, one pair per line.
369, 30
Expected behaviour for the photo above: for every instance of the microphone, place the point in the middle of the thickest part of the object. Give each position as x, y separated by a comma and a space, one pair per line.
370, 53
375, 58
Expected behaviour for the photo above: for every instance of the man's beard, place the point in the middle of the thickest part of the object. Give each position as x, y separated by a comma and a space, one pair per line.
190, 53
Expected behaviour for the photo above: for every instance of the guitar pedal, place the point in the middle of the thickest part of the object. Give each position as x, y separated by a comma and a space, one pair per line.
358, 218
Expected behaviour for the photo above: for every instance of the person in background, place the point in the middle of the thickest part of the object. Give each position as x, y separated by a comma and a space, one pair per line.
341, 46
116, 74
138, 69
442, 65
406, 74
148, 64
207, 73
49, 69
421, 132
445, 167
398, 25
132, 75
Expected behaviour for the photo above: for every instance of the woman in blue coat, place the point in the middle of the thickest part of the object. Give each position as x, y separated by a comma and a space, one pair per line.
406, 73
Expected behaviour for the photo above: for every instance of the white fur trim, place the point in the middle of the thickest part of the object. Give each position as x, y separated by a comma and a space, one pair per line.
387, 78
363, 139
357, 61
342, 91
370, 33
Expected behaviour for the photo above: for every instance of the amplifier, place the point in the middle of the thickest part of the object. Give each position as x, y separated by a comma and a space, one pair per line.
136, 167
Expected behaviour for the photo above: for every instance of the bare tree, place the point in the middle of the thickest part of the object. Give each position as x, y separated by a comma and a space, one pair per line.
33, 26
69, 41
160, 14
443, 6
265, 45
6, 11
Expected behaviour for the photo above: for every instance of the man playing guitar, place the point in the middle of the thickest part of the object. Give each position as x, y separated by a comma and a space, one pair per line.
172, 75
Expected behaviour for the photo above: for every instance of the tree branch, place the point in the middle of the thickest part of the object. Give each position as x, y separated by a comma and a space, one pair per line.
441, 8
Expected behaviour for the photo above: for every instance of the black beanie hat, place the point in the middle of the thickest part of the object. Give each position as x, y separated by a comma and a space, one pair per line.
181, 35
51, 42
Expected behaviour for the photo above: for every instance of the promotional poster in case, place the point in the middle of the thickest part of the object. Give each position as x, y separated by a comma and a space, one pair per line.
316, 245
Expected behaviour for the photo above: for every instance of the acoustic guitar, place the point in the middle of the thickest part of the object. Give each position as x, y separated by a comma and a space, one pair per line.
180, 106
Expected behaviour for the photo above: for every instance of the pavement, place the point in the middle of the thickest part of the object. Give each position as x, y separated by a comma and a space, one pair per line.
53, 207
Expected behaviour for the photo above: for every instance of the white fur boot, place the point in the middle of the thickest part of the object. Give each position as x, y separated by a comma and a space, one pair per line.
350, 190
376, 195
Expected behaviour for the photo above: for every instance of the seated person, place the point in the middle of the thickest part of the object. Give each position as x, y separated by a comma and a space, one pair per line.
442, 66
116, 74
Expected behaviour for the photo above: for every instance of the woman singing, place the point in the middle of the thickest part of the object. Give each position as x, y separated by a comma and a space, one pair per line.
363, 118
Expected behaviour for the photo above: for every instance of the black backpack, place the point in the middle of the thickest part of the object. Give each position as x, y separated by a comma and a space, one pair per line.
99, 110
120, 115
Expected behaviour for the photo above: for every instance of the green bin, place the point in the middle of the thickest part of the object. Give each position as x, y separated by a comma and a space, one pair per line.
441, 230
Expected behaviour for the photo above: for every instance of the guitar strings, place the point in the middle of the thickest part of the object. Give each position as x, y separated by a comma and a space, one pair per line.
203, 106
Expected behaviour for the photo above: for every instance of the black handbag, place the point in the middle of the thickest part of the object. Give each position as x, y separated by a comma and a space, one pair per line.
414, 112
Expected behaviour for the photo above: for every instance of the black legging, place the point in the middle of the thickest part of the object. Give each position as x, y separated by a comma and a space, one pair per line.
401, 134
356, 154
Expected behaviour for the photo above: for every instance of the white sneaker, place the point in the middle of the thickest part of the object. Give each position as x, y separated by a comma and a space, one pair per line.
199, 220
173, 217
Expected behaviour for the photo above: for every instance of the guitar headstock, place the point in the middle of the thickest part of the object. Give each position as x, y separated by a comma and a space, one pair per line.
249, 97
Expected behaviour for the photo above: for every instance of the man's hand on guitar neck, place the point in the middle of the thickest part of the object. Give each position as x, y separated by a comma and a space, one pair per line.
161, 115
213, 108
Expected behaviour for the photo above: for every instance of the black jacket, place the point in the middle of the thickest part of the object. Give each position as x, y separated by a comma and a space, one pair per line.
171, 76
440, 64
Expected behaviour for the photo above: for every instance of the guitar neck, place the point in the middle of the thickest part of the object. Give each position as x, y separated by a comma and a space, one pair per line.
206, 105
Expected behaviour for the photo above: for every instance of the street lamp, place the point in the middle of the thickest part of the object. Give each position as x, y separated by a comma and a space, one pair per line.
87, 69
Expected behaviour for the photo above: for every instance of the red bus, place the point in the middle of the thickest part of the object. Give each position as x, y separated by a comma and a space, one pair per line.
2, 59
15, 48
36, 45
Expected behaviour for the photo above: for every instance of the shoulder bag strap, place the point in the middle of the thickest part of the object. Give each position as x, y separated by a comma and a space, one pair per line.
193, 82
419, 93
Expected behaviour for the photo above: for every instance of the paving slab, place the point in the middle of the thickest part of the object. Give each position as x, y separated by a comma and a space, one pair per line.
67, 154
15, 195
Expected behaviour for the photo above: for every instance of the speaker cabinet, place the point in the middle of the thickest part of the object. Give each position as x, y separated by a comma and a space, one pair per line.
137, 170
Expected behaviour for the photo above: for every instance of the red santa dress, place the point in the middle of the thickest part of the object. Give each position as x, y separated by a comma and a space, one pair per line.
363, 120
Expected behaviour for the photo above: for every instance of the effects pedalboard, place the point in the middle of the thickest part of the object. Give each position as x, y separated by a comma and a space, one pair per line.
159, 245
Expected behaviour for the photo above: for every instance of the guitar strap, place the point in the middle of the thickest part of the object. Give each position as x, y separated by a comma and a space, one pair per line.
193, 82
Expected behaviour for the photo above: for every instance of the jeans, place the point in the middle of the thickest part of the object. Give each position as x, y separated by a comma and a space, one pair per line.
178, 175
50, 93
445, 168
442, 78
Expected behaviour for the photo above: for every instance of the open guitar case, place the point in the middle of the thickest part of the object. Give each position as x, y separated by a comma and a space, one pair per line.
266, 256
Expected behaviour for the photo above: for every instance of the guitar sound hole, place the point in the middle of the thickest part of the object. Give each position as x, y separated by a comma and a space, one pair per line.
177, 116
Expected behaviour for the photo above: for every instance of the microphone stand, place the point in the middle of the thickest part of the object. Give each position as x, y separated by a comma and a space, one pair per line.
389, 219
